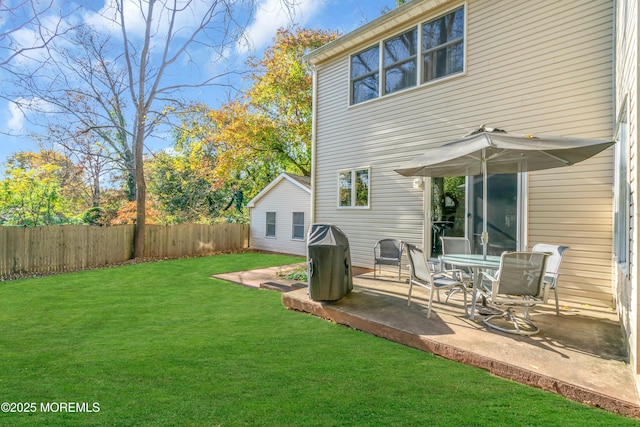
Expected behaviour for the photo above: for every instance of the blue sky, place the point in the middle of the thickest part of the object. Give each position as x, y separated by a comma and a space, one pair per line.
341, 15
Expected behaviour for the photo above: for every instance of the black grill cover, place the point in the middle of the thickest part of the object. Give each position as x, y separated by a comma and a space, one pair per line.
329, 263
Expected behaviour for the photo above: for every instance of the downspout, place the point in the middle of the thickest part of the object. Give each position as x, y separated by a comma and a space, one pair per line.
314, 113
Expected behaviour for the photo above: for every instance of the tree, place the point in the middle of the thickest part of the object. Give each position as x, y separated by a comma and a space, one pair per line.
184, 188
28, 16
90, 155
122, 79
40, 189
268, 131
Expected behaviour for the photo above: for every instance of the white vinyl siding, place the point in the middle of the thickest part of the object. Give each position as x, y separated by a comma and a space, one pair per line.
545, 68
283, 199
626, 285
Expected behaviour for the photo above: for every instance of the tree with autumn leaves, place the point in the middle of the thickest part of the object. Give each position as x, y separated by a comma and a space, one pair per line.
223, 157
267, 130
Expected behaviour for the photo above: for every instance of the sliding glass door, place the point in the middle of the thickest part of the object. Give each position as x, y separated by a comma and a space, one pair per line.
456, 210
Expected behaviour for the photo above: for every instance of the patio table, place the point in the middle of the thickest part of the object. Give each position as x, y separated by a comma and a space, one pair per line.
477, 263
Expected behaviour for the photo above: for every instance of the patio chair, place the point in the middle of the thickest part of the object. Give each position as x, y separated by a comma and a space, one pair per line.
454, 246
387, 252
553, 265
421, 275
519, 282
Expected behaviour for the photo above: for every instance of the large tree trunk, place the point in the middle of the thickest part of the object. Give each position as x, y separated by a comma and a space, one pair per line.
141, 195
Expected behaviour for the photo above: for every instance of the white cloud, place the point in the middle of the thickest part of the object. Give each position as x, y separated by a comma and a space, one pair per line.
19, 109
273, 14
108, 18
15, 124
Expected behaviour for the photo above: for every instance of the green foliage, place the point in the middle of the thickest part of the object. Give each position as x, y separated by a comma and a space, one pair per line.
93, 216
183, 188
267, 131
32, 197
221, 159
299, 274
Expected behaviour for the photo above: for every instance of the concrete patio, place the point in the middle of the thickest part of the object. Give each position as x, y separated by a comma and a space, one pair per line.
578, 354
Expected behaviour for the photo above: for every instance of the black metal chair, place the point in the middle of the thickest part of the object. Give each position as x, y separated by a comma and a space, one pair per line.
387, 252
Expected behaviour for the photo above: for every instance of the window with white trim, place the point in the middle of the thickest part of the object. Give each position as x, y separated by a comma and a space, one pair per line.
271, 225
443, 46
297, 221
354, 188
401, 61
433, 50
365, 74
622, 194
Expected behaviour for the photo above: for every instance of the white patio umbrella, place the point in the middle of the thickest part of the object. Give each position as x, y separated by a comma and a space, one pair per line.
494, 151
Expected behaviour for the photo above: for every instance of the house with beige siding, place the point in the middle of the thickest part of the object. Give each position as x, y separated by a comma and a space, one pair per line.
280, 215
429, 72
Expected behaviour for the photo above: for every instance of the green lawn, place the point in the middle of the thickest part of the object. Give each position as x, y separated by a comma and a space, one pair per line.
164, 344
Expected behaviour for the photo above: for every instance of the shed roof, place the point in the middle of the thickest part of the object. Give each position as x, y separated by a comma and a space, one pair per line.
304, 182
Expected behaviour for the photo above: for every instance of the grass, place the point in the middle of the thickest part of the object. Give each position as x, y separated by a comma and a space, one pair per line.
164, 344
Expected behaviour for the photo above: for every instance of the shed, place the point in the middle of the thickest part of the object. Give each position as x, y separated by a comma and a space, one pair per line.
280, 215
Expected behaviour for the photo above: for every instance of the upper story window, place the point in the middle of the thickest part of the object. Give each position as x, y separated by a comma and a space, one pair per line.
443, 46
433, 50
365, 75
400, 61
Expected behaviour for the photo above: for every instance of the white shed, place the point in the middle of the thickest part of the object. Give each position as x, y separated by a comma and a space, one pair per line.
280, 215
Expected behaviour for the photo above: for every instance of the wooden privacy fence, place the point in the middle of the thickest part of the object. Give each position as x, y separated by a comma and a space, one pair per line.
73, 247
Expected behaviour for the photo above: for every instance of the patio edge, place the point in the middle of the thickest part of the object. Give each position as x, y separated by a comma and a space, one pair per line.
495, 367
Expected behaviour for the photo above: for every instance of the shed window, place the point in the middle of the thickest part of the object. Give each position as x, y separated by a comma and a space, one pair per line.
298, 226
271, 224
354, 188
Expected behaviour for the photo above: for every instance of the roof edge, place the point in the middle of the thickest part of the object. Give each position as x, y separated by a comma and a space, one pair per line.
378, 26
275, 182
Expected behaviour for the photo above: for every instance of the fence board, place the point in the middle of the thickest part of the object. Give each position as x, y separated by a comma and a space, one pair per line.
72, 247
